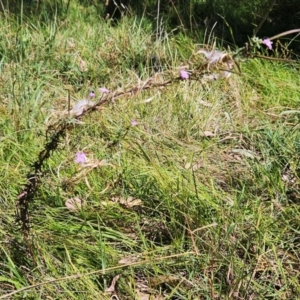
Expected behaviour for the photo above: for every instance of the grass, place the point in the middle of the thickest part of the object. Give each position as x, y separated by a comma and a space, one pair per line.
199, 200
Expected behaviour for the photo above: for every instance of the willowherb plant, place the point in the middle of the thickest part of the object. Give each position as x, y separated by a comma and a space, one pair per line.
218, 65
255, 43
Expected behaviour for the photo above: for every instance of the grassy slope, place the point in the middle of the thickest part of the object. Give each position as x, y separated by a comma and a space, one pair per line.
229, 201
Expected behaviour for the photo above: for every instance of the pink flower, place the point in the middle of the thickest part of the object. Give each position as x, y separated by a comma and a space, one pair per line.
103, 90
134, 123
92, 94
80, 157
268, 43
73, 204
184, 74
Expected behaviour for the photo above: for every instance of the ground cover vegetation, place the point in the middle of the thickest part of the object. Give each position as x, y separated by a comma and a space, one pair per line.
137, 163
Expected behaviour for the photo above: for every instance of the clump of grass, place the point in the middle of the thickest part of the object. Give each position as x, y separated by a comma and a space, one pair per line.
196, 199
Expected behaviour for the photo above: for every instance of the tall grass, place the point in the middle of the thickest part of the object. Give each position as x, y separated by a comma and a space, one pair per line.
198, 200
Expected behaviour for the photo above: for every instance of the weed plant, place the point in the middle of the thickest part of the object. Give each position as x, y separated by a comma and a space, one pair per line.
188, 191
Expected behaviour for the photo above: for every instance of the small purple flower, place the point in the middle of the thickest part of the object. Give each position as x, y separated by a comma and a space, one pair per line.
80, 157
103, 90
134, 123
92, 94
268, 43
184, 74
